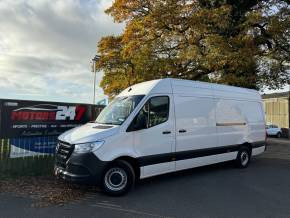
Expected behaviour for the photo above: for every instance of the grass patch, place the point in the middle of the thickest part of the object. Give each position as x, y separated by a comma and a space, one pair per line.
26, 166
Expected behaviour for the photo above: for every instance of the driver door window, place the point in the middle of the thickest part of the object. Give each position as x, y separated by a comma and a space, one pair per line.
154, 112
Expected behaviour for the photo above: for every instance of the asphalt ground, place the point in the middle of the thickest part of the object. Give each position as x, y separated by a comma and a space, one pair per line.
221, 190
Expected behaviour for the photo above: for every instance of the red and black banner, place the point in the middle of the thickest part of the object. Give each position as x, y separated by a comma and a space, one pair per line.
20, 118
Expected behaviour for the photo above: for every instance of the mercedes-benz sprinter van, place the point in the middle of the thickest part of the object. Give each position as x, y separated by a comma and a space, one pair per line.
163, 126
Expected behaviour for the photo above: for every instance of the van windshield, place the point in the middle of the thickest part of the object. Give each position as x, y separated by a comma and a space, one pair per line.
119, 109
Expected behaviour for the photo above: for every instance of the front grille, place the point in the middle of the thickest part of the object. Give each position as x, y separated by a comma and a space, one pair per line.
63, 152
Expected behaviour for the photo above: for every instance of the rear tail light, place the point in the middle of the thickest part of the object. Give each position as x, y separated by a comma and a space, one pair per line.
265, 133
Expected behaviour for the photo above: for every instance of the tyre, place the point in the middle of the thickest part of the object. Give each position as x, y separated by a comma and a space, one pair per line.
279, 135
118, 178
243, 158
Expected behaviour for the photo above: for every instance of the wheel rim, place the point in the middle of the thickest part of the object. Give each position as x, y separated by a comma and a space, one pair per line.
244, 158
116, 179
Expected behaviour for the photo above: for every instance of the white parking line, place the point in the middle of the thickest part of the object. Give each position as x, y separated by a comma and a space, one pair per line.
118, 208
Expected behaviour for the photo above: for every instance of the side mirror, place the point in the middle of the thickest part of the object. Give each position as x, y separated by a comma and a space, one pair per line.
138, 123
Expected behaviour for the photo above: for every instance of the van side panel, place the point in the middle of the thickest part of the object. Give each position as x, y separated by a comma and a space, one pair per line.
231, 92
196, 116
254, 115
231, 123
195, 125
239, 121
206, 160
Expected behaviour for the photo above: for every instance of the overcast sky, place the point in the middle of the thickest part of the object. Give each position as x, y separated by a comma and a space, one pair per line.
46, 47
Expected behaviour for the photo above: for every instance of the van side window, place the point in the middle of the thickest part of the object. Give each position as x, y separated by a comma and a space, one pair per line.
158, 110
154, 112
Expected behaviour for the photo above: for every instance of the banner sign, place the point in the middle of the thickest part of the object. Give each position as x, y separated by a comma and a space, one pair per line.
32, 146
34, 119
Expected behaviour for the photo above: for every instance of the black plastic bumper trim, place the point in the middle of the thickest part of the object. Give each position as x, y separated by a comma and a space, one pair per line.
82, 168
184, 155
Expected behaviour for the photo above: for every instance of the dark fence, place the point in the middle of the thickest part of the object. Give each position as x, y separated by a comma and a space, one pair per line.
29, 131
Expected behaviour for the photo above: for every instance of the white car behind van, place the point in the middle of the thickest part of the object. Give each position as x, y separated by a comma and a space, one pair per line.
273, 130
163, 126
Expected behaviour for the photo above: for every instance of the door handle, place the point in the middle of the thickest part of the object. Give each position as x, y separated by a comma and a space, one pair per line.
166, 132
182, 130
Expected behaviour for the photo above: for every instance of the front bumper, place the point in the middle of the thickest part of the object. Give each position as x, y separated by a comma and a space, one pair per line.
81, 168
74, 178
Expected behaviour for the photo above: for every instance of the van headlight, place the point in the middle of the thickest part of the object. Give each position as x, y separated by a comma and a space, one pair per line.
88, 147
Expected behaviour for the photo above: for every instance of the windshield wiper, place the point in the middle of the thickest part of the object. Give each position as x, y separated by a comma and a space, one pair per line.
109, 123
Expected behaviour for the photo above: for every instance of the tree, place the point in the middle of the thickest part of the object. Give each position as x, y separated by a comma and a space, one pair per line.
243, 43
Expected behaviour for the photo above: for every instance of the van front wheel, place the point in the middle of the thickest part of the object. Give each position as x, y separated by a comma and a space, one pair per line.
118, 178
243, 158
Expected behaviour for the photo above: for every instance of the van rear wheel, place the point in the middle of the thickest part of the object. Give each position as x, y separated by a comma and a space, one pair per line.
118, 178
243, 158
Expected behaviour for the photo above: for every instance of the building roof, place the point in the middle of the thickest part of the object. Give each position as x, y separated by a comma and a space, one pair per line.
277, 95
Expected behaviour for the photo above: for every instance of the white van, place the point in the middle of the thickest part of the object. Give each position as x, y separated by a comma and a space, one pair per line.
163, 126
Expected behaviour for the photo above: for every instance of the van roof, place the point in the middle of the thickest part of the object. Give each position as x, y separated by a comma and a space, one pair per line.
188, 87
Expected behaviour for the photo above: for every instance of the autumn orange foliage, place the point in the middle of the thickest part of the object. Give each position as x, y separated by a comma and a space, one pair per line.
243, 43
